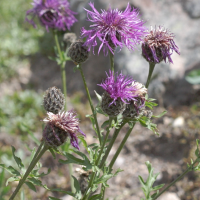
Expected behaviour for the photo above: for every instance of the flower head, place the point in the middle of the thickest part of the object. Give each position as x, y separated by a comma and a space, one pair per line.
114, 28
119, 86
63, 124
52, 14
159, 44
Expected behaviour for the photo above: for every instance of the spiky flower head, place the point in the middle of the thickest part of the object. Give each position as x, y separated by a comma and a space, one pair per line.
78, 52
114, 28
136, 107
54, 100
119, 86
52, 14
159, 45
59, 127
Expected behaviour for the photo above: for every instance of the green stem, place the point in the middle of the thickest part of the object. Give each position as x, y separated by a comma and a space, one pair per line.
97, 161
151, 68
64, 82
177, 179
90, 101
111, 144
28, 171
62, 67
111, 61
121, 146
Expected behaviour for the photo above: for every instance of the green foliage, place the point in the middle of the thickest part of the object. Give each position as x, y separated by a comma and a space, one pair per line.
145, 121
3, 189
20, 112
147, 186
193, 77
16, 39
33, 179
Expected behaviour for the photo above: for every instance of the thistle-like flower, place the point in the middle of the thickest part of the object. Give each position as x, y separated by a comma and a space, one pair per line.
136, 107
61, 126
159, 45
52, 14
114, 28
118, 92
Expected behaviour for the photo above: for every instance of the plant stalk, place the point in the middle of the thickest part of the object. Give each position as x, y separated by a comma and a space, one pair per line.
121, 146
97, 161
111, 61
111, 144
177, 179
28, 171
91, 105
151, 68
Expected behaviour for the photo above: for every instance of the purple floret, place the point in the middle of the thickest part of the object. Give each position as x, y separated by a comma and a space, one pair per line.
159, 45
119, 86
52, 14
113, 28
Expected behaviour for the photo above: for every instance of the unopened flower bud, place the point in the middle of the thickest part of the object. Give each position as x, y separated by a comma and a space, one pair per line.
77, 52
53, 100
112, 108
69, 38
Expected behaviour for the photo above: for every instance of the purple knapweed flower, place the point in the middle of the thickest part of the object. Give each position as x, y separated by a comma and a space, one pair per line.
52, 14
159, 45
114, 28
120, 86
60, 126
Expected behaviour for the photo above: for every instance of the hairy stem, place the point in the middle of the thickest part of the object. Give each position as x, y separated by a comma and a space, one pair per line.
151, 68
62, 67
91, 105
111, 144
111, 61
28, 171
121, 146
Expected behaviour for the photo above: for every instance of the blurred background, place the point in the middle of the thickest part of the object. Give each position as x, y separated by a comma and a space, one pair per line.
26, 72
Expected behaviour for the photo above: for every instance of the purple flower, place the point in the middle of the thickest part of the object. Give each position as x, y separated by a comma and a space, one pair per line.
159, 44
64, 124
52, 14
120, 86
114, 28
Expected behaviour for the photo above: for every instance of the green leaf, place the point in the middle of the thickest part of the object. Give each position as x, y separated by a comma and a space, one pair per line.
30, 185
11, 179
158, 187
103, 178
160, 115
147, 187
106, 123
193, 77
2, 177
11, 170
22, 196
44, 174
72, 159
78, 194
98, 97
52, 153
63, 191
53, 198
95, 197
35, 181
83, 141
17, 159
